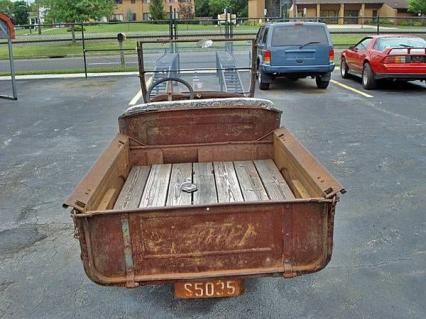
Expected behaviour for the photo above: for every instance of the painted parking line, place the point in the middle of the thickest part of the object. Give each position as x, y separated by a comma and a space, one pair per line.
350, 88
136, 98
138, 95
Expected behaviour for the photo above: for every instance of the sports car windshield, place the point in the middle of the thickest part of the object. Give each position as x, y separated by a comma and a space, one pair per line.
399, 42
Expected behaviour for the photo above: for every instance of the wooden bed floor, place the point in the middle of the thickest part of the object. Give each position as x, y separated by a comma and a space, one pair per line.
217, 182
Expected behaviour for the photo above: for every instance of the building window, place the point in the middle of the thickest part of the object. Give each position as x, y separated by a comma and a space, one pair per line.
133, 1
117, 17
329, 16
119, 1
133, 16
351, 16
146, 1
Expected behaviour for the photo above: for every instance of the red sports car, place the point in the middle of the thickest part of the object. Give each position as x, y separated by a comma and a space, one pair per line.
398, 57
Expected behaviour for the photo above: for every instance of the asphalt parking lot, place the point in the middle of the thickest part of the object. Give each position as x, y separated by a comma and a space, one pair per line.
374, 142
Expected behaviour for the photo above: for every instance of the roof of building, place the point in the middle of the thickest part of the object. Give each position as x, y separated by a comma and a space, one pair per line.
396, 4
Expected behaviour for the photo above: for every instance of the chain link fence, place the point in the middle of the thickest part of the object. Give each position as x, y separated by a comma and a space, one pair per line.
93, 47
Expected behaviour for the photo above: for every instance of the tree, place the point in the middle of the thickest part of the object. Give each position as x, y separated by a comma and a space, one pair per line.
74, 11
211, 8
202, 8
217, 6
185, 10
417, 6
6, 7
156, 10
240, 7
21, 12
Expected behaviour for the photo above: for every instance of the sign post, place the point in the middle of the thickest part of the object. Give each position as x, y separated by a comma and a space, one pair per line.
121, 37
7, 31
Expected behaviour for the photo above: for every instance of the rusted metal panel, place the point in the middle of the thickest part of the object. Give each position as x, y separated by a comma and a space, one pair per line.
201, 121
109, 172
295, 162
208, 241
148, 155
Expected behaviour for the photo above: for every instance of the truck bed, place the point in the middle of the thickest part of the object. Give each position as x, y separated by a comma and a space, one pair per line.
217, 182
263, 205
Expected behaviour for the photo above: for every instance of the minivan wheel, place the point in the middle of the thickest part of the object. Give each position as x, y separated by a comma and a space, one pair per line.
368, 80
344, 69
321, 84
262, 85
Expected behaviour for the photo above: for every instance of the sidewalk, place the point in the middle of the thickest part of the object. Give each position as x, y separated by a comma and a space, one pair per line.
67, 76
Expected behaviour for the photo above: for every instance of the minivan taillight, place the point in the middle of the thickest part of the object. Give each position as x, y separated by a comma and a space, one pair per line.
266, 57
331, 55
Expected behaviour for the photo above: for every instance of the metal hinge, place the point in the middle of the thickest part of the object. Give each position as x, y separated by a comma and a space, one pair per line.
288, 271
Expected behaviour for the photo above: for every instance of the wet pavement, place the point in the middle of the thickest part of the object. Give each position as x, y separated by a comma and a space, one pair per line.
375, 146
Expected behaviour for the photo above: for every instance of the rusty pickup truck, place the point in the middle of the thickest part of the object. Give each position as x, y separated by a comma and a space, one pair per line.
203, 194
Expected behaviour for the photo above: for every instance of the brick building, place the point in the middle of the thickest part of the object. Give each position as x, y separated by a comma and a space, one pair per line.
138, 10
329, 10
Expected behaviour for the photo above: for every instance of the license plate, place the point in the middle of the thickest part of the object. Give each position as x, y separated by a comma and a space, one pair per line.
209, 289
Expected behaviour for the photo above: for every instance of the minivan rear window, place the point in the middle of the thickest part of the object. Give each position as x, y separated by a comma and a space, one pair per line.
298, 35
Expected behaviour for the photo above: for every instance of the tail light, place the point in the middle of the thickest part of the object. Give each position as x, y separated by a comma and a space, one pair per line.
267, 57
331, 54
396, 59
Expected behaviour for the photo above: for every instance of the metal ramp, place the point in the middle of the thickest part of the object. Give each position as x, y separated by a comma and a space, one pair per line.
165, 66
229, 78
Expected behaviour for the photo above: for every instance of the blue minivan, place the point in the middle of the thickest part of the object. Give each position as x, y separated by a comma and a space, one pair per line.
294, 50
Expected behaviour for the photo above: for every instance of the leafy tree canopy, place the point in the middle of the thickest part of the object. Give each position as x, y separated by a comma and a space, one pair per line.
6, 6
417, 6
79, 10
21, 12
156, 10
211, 8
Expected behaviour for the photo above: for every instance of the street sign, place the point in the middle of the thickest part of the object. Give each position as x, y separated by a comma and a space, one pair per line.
227, 17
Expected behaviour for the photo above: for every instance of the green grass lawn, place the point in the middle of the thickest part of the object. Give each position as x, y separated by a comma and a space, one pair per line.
129, 27
43, 50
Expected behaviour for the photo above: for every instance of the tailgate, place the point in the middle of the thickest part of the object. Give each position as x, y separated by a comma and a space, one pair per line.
295, 56
130, 248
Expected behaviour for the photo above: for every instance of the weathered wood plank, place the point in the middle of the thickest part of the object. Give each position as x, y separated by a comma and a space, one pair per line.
131, 193
155, 192
250, 183
204, 179
228, 188
274, 183
180, 173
